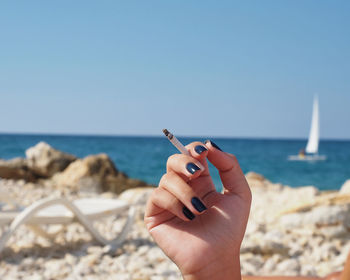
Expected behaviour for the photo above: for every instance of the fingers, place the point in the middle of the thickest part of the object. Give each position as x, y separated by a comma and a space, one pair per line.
199, 151
173, 198
163, 206
185, 191
186, 166
231, 175
200, 181
174, 184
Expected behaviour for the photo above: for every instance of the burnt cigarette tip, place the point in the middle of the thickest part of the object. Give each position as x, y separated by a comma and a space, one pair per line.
166, 132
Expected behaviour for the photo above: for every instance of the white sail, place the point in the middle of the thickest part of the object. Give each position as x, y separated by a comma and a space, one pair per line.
312, 144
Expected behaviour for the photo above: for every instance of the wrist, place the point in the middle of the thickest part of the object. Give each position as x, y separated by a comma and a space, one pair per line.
220, 270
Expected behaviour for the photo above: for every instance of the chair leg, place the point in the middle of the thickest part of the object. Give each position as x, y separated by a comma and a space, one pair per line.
31, 210
41, 232
116, 242
25, 215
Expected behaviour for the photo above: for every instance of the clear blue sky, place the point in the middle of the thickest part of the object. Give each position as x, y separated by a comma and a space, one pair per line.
214, 68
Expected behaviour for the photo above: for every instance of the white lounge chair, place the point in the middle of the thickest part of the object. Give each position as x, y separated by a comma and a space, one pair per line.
61, 211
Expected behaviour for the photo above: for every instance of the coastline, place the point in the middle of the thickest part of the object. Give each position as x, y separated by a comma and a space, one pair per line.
291, 231
264, 156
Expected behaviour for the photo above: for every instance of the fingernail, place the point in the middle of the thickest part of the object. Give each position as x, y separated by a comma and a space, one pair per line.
188, 213
213, 144
200, 149
200, 207
192, 168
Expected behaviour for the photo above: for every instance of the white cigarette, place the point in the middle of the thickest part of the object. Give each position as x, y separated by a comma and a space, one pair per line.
176, 142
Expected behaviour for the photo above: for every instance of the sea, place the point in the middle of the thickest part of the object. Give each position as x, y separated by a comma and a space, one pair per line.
145, 157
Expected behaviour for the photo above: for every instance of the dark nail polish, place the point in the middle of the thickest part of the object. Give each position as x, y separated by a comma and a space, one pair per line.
200, 149
213, 144
188, 213
200, 207
192, 168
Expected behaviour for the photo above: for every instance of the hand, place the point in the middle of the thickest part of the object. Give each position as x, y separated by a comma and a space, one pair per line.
200, 229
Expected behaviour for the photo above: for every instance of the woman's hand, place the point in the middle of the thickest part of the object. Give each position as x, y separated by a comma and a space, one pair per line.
200, 229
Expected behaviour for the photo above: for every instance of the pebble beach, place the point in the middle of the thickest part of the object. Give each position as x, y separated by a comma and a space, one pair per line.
291, 231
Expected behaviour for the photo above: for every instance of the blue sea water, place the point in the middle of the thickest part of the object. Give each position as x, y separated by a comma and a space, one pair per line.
145, 157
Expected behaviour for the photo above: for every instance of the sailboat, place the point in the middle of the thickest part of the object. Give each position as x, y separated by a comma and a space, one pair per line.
314, 138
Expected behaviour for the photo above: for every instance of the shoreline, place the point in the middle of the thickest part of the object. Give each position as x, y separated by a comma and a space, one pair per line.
265, 157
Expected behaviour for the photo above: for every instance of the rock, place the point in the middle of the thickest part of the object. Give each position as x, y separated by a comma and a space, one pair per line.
325, 252
95, 173
272, 243
307, 270
255, 179
329, 215
16, 168
299, 198
134, 195
335, 231
46, 161
345, 188
319, 216
254, 176
290, 267
265, 244
330, 221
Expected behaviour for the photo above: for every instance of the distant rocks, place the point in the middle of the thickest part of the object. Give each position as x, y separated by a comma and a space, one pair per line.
255, 179
345, 187
42, 161
17, 169
45, 161
96, 173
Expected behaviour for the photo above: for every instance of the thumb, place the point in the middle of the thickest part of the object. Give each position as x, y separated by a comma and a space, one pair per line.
231, 174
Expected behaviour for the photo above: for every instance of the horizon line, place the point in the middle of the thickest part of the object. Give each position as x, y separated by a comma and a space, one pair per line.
63, 134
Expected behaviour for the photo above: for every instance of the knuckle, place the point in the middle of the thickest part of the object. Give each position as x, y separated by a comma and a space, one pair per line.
234, 158
155, 193
172, 202
167, 179
173, 159
163, 180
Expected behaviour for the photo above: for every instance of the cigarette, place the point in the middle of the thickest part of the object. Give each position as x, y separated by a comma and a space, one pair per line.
175, 142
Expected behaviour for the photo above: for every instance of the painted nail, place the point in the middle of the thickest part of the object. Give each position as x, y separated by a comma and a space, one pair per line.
213, 144
200, 207
192, 168
200, 149
188, 213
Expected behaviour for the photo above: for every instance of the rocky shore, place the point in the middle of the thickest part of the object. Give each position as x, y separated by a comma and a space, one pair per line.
291, 231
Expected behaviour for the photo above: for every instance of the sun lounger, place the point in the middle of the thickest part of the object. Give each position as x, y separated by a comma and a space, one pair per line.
61, 211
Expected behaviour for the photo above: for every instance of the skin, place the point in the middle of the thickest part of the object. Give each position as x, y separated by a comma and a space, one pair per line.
208, 246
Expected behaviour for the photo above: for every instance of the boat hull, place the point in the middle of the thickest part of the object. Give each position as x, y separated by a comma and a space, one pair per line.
307, 158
